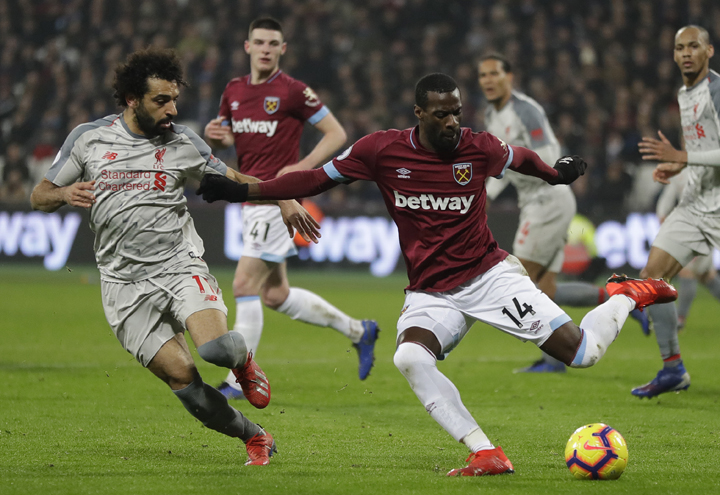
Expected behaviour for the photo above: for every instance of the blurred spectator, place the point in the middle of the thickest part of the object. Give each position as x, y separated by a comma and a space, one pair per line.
15, 187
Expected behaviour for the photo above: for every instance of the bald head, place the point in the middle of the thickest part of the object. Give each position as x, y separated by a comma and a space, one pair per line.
702, 33
693, 52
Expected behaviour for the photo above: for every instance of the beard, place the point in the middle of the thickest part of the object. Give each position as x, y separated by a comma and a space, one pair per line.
443, 144
147, 123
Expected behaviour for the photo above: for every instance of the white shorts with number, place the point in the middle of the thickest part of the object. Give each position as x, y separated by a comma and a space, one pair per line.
503, 297
685, 234
146, 314
542, 231
265, 235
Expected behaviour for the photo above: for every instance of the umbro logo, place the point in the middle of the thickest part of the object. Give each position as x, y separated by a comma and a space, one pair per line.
234, 105
403, 173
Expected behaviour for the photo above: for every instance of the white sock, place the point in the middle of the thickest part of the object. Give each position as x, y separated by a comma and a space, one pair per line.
435, 391
601, 326
249, 322
477, 440
305, 306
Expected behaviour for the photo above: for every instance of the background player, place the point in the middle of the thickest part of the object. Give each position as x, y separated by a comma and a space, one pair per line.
457, 272
700, 268
545, 211
129, 171
263, 115
692, 228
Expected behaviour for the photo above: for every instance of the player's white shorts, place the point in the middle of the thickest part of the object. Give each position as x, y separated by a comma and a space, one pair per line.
685, 235
503, 297
146, 314
265, 235
542, 232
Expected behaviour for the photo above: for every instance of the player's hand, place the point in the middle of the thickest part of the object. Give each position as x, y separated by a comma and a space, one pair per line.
569, 168
297, 217
660, 150
664, 171
215, 131
80, 194
290, 168
215, 187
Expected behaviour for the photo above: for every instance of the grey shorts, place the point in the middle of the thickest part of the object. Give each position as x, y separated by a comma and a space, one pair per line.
146, 314
685, 234
542, 232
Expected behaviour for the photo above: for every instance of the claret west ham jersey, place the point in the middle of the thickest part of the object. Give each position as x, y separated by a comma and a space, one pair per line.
267, 121
437, 202
140, 218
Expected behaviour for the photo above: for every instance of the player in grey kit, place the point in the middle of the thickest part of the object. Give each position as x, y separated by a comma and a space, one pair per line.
693, 227
129, 171
545, 211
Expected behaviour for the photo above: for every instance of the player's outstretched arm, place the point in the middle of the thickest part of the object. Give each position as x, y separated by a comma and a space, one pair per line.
566, 170
48, 197
298, 218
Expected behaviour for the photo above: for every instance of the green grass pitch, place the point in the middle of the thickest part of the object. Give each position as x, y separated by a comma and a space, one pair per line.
79, 416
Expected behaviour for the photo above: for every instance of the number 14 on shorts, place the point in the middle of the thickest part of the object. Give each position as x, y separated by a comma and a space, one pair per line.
520, 310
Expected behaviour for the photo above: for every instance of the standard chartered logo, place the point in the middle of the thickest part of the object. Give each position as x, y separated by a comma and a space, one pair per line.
431, 202
267, 127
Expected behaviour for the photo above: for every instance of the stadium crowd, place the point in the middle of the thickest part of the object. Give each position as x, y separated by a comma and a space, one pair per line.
602, 69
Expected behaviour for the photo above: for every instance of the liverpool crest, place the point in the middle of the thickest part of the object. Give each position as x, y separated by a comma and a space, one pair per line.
272, 103
462, 173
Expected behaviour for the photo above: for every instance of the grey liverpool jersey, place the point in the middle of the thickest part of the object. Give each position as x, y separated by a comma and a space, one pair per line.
140, 218
699, 115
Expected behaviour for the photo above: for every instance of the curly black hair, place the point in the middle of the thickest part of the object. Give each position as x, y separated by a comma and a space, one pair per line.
131, 78
436, 83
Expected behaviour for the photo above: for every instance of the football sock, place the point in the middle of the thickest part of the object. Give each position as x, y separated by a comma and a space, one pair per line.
306, 306
672, 361
579, 294
686, 293
665, 321
477, 440
249, 323
434, 390
600, 327
228, 351
211, 408
714, 287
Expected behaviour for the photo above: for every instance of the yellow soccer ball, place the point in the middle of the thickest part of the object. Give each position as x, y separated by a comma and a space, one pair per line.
596, 452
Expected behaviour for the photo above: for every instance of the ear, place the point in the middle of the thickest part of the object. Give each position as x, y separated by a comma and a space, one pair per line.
283, 49
418, 112
247, 47
132, 101
711, 51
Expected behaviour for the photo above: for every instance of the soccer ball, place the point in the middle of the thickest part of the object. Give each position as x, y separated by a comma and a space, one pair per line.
596, 452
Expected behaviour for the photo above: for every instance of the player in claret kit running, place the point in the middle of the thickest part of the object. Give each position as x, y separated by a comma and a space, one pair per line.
457, 272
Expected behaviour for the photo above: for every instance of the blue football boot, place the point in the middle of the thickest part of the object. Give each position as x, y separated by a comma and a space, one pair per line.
229, 392
366, 347
542, 366
671, 379
644, 319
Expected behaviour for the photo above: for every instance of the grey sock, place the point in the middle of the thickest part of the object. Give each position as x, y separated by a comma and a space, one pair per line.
686, 294
665, 320
212, 409
579, 294
714, 287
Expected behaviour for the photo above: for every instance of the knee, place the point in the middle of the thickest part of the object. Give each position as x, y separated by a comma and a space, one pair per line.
588, 352
228, 351
245, 286
274, 297
408, 354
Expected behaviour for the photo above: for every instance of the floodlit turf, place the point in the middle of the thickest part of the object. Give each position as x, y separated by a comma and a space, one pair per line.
79, 416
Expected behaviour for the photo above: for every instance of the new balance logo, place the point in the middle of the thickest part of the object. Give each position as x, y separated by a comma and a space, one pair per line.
430, 202
109, 156
267, 127
403, 173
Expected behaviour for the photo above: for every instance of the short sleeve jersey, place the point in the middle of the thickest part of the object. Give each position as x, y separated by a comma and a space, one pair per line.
140, 218
437, 202
700, 118
523, 122
267, 121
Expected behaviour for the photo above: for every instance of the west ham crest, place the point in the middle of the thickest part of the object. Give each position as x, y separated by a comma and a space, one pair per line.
272, 103
462, 173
